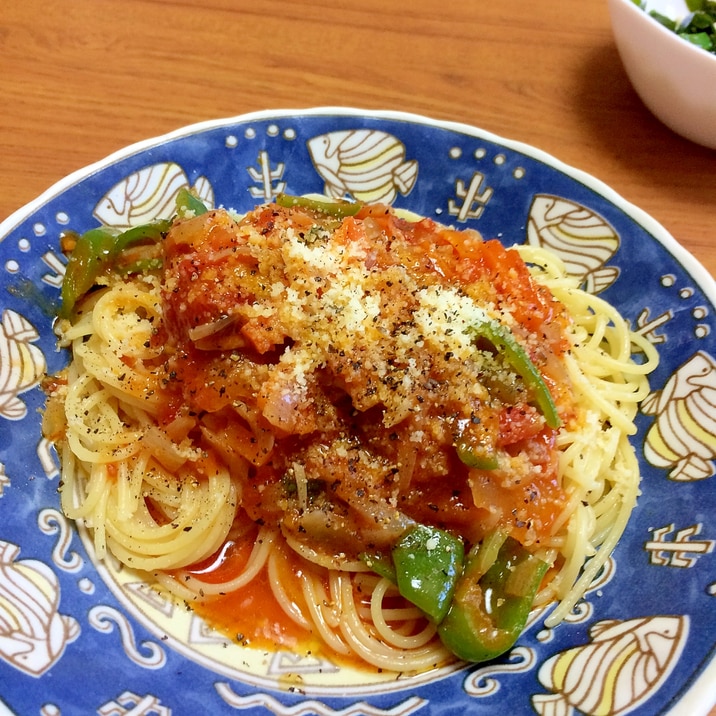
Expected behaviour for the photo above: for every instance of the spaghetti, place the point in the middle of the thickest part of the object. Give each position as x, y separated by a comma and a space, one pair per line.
261, 412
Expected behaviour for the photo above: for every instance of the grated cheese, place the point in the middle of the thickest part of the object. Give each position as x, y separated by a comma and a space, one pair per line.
330, 301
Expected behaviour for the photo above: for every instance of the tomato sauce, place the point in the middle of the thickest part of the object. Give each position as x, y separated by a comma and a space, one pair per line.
325, 362
251, 615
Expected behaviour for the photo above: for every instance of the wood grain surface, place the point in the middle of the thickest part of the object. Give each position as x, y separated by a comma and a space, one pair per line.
80, 79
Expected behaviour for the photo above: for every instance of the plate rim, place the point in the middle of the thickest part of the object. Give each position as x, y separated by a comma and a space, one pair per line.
701, 695
657, 230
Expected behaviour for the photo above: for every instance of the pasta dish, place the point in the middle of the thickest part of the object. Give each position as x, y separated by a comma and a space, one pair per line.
333, 429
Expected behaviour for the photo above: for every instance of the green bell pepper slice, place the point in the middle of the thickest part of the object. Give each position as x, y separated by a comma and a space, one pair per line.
380, 563
502, 339
96, 252
425, 564
484, 457
90, 258
146, 233
476, 456
428, 562
481, 602
189, 205
491, 605
338, 208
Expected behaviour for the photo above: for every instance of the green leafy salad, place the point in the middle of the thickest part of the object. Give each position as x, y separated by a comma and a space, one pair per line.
698, 26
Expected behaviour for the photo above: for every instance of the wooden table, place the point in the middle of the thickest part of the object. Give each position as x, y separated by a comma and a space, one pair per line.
81, 78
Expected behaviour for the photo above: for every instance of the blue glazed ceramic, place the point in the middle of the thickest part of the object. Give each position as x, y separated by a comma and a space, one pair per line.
78, 637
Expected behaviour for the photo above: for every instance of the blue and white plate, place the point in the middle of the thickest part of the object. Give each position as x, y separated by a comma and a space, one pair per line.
77, 637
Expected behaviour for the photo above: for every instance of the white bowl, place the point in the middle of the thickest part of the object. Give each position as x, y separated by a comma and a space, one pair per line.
675, 80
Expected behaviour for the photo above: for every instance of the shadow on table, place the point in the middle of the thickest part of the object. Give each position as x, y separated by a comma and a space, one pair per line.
623, 127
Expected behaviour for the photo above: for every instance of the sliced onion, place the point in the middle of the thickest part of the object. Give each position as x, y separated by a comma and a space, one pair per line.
209, 329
